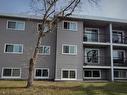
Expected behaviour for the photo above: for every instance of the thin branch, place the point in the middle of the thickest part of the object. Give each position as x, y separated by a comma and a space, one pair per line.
93, 1
45, 16
68, 6
45, 5
50, 13
76, 4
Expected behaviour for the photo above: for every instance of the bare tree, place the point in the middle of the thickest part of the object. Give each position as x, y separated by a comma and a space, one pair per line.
49, 10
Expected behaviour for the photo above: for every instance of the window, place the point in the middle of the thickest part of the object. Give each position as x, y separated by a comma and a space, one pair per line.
68, 74
117, 36
68, 25
13, 48
92, 56
120, 74
44, 50
69, 49
16, 25
91, 35
39, 27
118, 56
95, 74
11, 73
41, 73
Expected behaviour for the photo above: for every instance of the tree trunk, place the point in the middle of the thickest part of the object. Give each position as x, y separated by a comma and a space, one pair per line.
32, 63
31, 73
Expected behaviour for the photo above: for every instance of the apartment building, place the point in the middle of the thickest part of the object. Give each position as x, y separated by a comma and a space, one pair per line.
81, 48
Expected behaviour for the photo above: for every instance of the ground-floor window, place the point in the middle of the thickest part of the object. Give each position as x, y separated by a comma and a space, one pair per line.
42, 73
11, 72
68, 74
92, 74
120, 74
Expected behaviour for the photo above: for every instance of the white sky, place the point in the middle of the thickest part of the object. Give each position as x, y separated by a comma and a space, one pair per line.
106, 8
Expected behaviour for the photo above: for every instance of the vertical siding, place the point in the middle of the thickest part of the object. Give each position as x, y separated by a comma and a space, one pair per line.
64, 61
28, 38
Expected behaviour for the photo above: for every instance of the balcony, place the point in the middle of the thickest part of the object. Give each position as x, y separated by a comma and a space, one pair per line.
96, 61
117, 61
94, 37
119, 37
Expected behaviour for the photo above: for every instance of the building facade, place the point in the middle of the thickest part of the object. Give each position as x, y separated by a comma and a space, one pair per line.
81, 48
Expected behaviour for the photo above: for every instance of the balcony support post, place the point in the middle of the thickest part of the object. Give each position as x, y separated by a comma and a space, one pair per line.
111, 53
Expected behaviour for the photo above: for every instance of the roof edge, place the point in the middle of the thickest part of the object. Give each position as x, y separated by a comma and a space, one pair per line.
21, 16
98, 18
85, 17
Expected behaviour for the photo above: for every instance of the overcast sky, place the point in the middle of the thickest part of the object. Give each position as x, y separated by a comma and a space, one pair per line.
106, 8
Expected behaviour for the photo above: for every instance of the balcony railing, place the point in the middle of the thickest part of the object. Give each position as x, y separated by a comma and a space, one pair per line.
119, 39
117, 61
94, 60
104, 61
94, 37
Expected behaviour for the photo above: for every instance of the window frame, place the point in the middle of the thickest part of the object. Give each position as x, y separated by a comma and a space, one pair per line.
44, 29
69, 26
123, 52
118, 31
45, 53
69, 49
16, 22
98, 31
11, 77
69, 74
98, 55
37, 26
119, 71
13, 52
92, 74
36, 77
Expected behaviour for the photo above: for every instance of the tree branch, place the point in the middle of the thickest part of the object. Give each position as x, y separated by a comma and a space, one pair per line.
45, 5
76, 4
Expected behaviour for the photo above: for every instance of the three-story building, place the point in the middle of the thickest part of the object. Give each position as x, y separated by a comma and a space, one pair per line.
81, 48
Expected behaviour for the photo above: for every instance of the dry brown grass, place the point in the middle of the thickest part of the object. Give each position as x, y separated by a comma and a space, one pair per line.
62, 88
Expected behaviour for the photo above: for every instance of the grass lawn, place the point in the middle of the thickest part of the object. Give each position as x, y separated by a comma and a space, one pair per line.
62, 88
